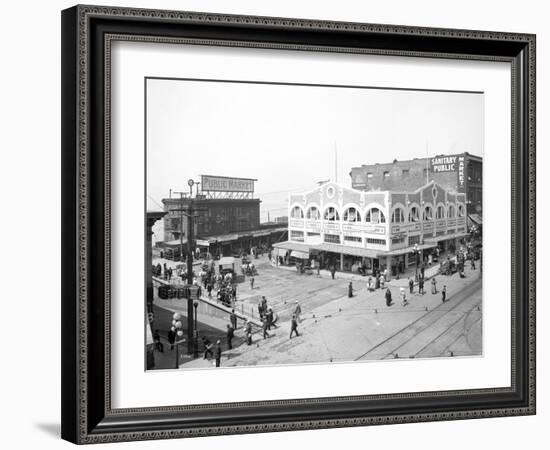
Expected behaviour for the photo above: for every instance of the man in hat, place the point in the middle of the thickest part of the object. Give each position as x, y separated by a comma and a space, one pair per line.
264, 327
218, 353
293, 326
297, 312
388, 297
269, 317
233, 319
230, 333
248, 332
350, 290
411, 285
444, 294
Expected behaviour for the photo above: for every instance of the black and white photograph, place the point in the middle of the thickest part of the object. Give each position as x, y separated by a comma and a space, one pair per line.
290, 224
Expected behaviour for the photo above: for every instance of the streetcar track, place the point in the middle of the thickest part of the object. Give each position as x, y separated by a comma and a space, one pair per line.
462, 317
466, 295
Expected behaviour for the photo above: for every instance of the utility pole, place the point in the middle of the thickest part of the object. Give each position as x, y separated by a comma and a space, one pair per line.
189, 212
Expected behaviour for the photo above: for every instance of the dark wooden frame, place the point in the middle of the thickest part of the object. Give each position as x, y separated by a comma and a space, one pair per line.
87, 416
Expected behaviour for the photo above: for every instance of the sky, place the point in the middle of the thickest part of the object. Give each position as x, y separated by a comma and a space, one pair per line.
291, 137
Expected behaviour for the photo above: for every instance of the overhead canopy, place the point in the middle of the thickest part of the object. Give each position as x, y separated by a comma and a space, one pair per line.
300, 255
346, 250
475, 218
401, 251
444, 237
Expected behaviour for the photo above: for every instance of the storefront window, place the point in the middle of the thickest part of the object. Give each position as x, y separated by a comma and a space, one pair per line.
332, 238
414, 215
331, 214
440, 214
428, 213
313, 213
452, 211
397, 216
374, 215
352, 215
297, 213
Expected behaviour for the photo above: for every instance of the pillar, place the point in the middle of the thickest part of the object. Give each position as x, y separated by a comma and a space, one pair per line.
341, 261
388, 266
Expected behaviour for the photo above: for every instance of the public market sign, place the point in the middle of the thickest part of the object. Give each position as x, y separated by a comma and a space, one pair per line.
444, 164
226, 184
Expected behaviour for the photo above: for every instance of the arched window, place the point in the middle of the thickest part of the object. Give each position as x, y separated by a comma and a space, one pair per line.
428, 213
331, 214
397, 216
352, 215
297, 213
440, 213
461, 211
452, 211
374, 215
313, 213
414, 215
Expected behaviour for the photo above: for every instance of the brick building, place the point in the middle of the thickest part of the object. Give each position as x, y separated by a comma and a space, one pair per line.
215, 216
461, 173
227, 219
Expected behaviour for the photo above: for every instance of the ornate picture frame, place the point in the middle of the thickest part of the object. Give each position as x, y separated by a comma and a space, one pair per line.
87, 35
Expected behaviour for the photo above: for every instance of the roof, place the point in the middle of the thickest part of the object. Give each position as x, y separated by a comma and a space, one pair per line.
226, 260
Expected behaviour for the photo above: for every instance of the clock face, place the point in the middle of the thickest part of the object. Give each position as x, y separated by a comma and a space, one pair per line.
190, 182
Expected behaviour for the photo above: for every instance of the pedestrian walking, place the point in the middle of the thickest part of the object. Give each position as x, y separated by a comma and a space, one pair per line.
233, 319
473, 263
350, 290
411, 285
293, 326
218, 353
156, 340
404, 301
172, 337
332, 271
248, 332
434, 286
261, 310
444, 294
388, 297
230, 333
207, 348
269, 318
297, 312
421, 286
264, 328
251, 282
264, 305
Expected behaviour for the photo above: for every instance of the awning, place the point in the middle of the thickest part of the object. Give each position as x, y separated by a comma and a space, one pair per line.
173, 243
444, 237
300, 255
225, 237
346, 250
403, 251
288, 245
475, 218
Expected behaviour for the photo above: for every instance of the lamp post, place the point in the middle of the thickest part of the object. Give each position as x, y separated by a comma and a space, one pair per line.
176, 323
417, 257
196, 333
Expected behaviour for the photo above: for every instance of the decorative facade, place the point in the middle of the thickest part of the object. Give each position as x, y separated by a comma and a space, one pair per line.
383, 226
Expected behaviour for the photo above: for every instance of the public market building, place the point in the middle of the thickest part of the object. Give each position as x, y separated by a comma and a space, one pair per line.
334, 225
